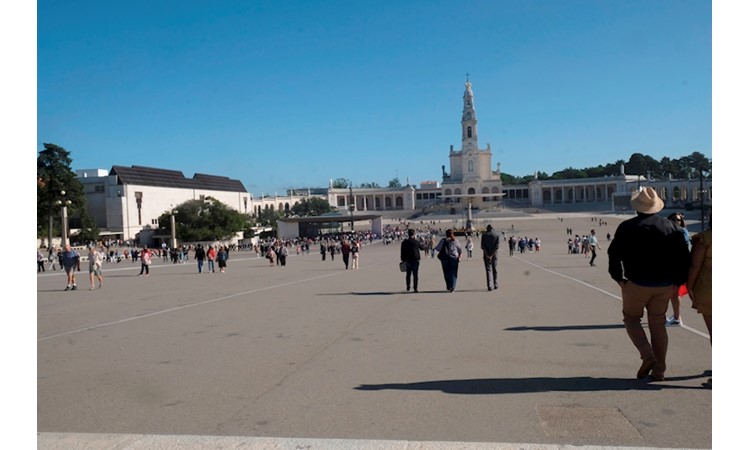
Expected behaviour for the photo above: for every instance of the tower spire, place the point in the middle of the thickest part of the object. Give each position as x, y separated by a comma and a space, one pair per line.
468, 120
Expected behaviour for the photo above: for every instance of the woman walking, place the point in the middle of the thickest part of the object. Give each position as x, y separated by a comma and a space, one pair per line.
145, 260
221, 257
449, 254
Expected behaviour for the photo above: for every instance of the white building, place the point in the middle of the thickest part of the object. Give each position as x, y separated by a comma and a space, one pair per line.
127, 201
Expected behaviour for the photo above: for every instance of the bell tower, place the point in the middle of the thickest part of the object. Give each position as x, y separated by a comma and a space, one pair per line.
468, 121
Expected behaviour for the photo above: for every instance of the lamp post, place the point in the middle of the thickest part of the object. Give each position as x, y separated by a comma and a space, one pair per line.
173, 229
703, 207
351, 207
64, 214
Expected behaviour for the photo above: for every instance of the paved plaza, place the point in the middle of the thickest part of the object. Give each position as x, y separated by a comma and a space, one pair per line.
314, 356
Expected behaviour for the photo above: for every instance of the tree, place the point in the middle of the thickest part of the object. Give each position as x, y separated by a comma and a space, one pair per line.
269, 218
569, 173
394, 183
89, 231
54, 176
208, 220
340, 183
313, 206
369, 185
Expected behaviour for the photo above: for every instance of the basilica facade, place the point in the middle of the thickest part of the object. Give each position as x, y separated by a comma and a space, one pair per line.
470, 175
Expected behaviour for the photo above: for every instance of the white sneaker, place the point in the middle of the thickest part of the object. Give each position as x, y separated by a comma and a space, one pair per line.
673, 321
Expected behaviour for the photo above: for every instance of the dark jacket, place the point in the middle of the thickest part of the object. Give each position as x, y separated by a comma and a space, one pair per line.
490, 243
200, 253
649, 250
410, 250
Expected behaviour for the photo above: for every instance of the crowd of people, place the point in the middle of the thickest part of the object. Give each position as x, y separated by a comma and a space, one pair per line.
649, 281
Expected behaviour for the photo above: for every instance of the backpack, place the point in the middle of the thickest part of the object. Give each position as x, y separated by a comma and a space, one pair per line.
443, 253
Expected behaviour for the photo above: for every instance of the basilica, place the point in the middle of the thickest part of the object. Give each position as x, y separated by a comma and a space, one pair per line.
127, 201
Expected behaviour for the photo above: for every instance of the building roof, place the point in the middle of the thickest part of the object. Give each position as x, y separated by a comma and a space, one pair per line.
150, 176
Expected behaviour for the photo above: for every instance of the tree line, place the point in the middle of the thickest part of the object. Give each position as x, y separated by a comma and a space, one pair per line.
639, 164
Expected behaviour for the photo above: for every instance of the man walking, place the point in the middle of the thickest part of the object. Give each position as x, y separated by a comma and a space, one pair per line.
200, 256
69, 261
411, 254
594, 245
648, 258
449, 254
490, 246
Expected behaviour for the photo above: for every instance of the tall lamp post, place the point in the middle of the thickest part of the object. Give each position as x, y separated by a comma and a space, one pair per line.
64, 214
172, 229
703, 205
351, 207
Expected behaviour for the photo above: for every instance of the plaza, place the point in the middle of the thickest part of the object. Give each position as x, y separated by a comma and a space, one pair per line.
316, 356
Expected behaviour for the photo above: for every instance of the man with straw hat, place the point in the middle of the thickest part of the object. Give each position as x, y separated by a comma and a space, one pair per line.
648, 258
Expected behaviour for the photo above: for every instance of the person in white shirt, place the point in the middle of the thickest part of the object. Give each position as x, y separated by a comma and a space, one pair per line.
96, 258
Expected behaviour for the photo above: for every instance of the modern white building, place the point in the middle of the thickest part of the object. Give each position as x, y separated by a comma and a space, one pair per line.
127, 201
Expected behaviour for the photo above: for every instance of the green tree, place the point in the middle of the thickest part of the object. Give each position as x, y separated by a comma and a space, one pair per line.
697, 161
569, 173
53, 177
394, 183
340, 183
269, 218
313, 206
89, 231
369, 185
207, 220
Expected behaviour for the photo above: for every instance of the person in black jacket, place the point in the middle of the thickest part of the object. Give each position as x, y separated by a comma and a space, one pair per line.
490, 246
200, 256
411, 254
648, 258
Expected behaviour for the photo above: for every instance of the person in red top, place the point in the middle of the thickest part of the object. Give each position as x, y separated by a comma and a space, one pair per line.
145, 260
211, 255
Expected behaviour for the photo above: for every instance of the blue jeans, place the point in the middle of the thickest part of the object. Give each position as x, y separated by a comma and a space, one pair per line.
211, 265
200, 265
450, 272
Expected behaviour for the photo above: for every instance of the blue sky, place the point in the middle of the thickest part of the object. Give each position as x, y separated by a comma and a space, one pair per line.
282, 94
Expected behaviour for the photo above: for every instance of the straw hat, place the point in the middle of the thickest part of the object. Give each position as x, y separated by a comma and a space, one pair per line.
646, 201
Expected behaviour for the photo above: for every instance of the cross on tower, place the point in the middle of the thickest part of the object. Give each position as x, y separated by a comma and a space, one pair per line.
467, 77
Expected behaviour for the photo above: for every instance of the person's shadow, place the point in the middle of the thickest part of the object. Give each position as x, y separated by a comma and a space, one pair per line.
485, 386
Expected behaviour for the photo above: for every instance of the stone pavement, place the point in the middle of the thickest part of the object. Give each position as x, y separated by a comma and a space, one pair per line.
313, 356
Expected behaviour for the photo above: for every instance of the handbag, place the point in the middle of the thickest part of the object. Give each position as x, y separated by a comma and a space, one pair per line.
402, 266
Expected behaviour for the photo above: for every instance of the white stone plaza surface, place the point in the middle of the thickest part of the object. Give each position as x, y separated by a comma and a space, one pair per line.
314, 356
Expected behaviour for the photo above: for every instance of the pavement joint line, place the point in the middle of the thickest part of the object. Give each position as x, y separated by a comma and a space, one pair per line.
177, 308
690, 329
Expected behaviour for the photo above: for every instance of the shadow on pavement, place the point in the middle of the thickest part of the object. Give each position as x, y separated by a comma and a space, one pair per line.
534, 384
568, 327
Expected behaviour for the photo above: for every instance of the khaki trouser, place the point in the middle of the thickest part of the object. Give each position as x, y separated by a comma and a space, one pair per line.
656, 301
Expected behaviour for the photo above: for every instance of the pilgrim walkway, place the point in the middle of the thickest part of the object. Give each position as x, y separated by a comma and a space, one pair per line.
310, 355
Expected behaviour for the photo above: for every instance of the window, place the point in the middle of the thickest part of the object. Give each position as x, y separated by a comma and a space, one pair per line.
468, 132
471, 163
99, 188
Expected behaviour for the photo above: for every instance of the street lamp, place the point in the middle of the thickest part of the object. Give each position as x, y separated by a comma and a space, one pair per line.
173, 229
64, 214
703, 204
